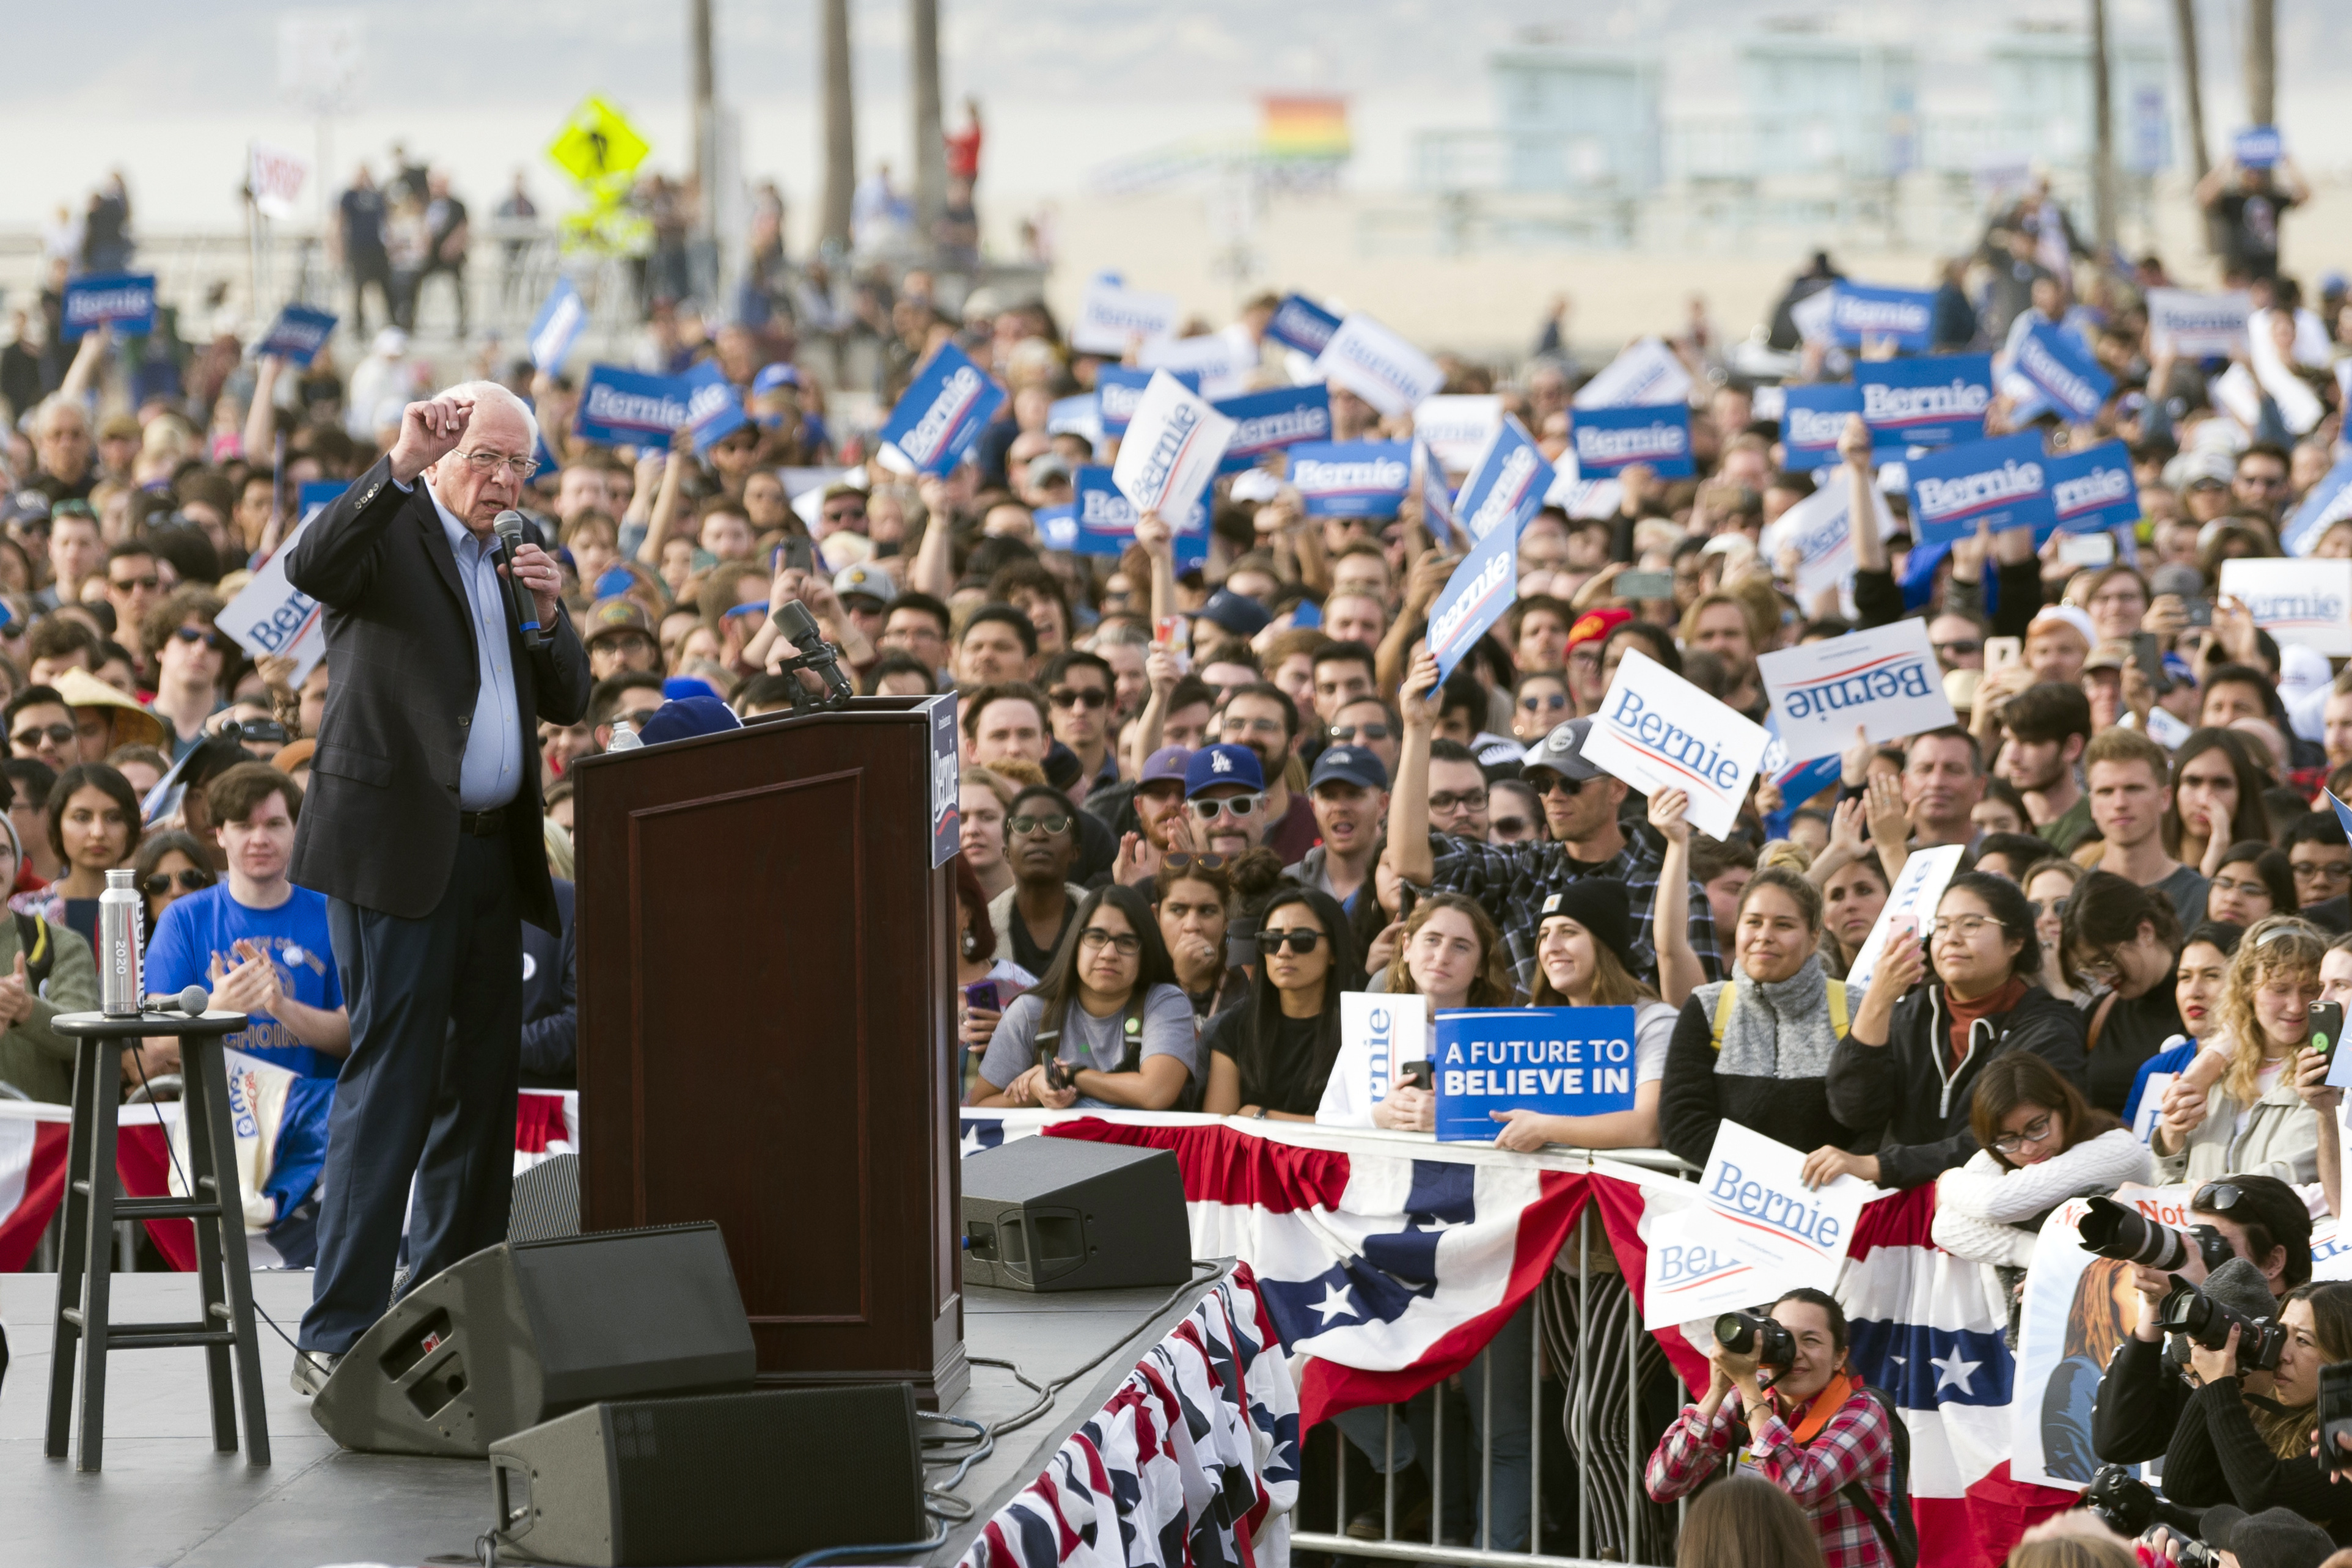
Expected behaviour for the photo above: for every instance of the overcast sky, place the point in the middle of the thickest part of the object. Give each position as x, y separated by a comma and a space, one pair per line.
172, 91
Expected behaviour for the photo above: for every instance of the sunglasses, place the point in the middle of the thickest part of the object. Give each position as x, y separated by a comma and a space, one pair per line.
1050, 827
219, 642
1551, 783
33, 734
2054, 907
1086, 697
1368, 732
1178, 860
1962, 649
636, 717
1240, 808
1537, 704
190, 882
1299, 939
1509, 827
2218, 1197
127, 584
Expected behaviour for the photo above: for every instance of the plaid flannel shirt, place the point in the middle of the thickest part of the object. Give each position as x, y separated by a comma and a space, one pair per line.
1510, 882
1855, 1445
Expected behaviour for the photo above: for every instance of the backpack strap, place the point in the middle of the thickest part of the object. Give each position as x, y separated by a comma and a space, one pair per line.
1723, 1001
1881, 1526
1838, 1016
33, 942
2099, 1021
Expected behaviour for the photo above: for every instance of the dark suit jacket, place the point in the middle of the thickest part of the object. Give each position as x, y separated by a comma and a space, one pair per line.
379, 824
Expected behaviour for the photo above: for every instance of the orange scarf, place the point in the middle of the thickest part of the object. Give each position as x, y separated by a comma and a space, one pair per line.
1824, 1404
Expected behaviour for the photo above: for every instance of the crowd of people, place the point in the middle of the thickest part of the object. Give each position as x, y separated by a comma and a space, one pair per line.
1200, 800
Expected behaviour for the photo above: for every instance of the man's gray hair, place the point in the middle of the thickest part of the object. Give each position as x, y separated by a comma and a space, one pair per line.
46, 413
483, 392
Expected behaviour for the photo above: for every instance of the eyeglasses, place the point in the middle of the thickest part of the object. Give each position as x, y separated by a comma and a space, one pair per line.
1180, 861
32, 735
1964, 648
1299, 939
1087, 696
1241, 807
1549, 783
1125, 943
636, 718
2034, 1131
219, 642
132, 584
2218, 1197
1368, 731
1455, 800
2232, 884
190, 882
1050, 827
483, 462
843, 513
2322, 870
1963, 926
1537, 704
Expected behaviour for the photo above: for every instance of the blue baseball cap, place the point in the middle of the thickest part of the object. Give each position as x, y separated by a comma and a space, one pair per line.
1223, 765
684, 718
774, 376
1347, 765
1167, 762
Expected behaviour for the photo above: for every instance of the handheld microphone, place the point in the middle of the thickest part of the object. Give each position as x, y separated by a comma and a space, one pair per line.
509, 528
800, 629
194, 1002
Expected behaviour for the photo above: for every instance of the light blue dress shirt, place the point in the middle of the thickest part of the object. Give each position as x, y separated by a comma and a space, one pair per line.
491, 771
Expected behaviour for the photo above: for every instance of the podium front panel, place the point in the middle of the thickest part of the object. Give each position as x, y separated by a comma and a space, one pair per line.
766, 1031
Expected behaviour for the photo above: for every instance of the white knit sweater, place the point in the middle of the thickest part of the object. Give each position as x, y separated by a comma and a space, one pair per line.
1979, 1206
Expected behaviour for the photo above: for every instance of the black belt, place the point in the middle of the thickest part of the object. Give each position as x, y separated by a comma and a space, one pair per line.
488, 824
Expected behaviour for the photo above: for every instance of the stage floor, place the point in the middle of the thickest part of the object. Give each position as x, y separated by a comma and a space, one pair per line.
166, 1497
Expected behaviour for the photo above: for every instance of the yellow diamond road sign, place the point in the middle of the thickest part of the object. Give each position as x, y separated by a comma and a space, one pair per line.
597, 144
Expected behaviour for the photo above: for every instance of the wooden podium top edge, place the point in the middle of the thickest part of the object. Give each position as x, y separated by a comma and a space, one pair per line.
859, 708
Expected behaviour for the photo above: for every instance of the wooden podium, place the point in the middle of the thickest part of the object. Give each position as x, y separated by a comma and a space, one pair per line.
766, 1027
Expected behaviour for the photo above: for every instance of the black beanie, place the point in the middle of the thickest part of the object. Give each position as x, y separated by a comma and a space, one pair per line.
1601, 908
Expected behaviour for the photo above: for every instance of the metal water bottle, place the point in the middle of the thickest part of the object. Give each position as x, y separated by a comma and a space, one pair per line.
118, 946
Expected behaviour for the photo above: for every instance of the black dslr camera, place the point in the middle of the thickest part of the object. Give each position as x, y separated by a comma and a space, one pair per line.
1753, 1333
2125, 1502
2191, 1313
2110, 1229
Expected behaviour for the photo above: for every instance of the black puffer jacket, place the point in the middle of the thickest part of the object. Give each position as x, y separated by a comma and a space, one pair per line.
1909, 1092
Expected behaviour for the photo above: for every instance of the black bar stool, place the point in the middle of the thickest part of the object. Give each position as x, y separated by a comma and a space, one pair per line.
85, 1268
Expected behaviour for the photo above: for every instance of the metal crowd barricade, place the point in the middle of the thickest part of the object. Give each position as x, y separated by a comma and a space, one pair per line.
1599, 1471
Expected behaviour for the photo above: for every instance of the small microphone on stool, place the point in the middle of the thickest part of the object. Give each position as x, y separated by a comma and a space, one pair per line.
194, 1001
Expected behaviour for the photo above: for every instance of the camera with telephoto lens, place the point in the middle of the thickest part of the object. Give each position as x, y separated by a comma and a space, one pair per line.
2110, 1229
2190, 1312
1753, 1333
2336, 1416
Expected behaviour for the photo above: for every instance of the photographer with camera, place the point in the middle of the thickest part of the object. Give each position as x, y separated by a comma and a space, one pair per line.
2143, 1394
2244, 1436
1800, 1420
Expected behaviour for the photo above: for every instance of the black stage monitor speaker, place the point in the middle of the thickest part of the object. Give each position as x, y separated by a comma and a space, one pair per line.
526, 1330
722, 1478
1067, 1214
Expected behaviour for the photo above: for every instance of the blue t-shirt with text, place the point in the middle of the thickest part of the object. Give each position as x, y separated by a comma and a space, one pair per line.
195, 944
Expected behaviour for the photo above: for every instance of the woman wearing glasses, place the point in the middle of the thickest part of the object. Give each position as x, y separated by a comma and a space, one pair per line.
2039, 1144
167, 868
2255, 1120
1271, 1054
1541, 705
2119, 949
2253, 880
1041, 845
1106, 1027
1909, 1063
